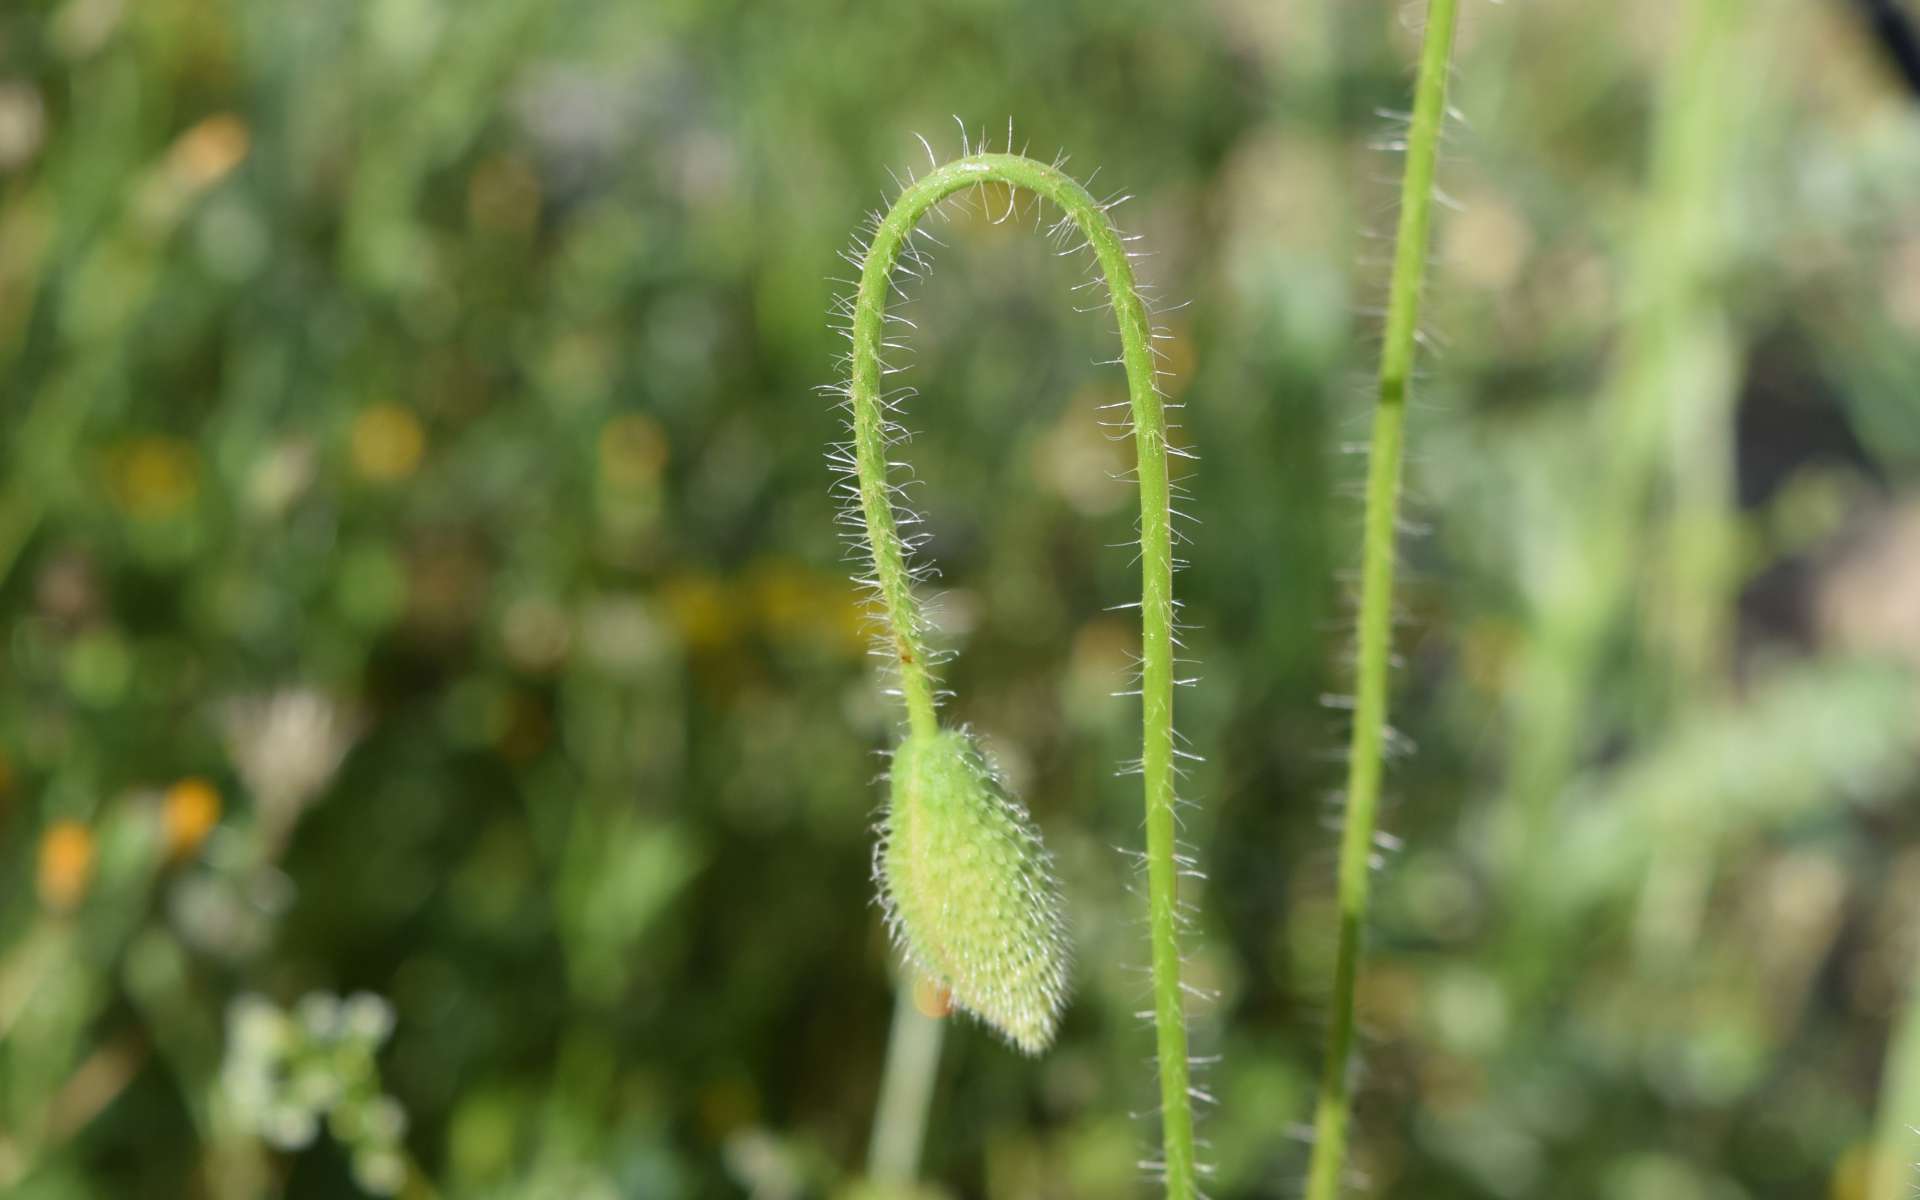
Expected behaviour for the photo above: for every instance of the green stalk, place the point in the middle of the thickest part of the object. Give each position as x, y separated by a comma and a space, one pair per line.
906, 1091
1333, 1111
1665, 417
1895, 1145
1689, 376
893, 580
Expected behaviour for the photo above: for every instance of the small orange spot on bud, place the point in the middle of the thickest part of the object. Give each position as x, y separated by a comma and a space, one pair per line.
932, 999
67, 855
191, 810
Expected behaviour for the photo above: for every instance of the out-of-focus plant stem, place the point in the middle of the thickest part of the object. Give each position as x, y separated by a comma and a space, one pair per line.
906, 1091
1896, 1146
1668, 344
1664, 424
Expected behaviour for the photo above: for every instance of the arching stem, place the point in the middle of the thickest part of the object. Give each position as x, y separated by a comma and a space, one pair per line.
894, 582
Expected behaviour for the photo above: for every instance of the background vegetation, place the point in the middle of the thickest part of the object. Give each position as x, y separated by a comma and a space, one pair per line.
419, 586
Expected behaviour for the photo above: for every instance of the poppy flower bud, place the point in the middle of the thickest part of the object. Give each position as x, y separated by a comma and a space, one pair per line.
969, 890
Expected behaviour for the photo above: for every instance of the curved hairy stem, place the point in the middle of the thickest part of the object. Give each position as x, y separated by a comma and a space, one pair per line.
1376, 588
892, 579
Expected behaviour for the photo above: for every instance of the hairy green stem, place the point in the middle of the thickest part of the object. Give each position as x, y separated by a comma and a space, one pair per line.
893, 581
1332, 1112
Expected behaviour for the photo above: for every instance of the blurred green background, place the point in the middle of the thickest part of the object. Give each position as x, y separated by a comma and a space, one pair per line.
419, 586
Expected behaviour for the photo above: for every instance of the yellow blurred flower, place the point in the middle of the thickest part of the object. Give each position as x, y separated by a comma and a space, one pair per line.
784, 596
190, 811
781, 599
198, 159
155, 476
388, 443
702, 608
796, 603
206, 152
67, 855
633, 450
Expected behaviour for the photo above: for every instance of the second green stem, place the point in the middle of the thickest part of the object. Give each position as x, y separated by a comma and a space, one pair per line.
1333, 1111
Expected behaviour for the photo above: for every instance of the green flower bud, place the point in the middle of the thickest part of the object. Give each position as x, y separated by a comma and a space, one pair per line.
969, 890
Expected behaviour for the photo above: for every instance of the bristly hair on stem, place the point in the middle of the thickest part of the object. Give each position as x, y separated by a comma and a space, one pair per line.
995, 956
1332, 1112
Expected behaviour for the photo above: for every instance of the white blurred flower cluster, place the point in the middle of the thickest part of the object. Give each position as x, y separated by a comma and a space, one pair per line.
286, 747
287, 1072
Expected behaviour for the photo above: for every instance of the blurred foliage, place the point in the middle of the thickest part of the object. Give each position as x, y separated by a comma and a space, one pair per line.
418, 578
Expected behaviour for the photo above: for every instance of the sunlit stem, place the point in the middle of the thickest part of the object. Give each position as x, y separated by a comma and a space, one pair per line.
1333, 1111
